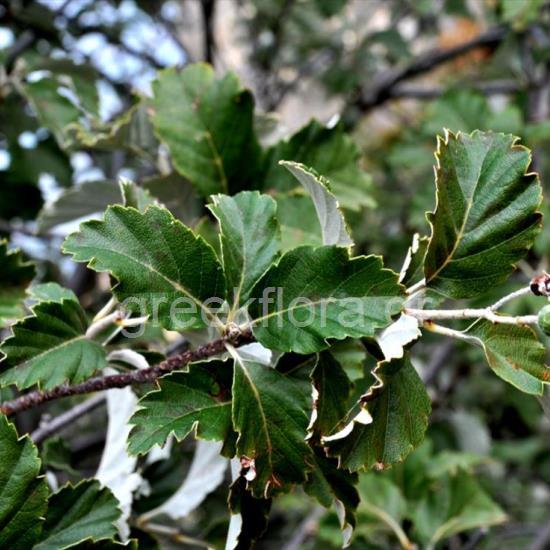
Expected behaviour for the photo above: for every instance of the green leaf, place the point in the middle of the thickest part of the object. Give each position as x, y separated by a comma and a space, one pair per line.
331, 153
208, 127
352, 356
450, 462
523, 14
329, 484
15, 275
298, 221
185, 401
486, 216
80, 201
50, 292
55, 111
92, 198
23, 494
50, 347
514, 353
454, 504
413, 267
267, 127
135, 196
329, 8
79, 78
159, 263
399, 407
132, 131
318, 293
270, 413
80, 513
208, 229
467, 110
254, 513
111, 544
382, 508
56, 454
332, 389
177, 194
21, 197
331, 219
462, 110
250, 239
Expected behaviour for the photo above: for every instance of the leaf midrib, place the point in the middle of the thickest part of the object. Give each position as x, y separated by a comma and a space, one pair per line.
260, 407
460, 234
46, 352
457, 242
171, 421
217, 159
173, 283
331, 298
328, 299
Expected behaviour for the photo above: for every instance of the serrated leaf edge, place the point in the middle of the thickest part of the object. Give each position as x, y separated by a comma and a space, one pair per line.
195, 427
92, 480
444, 141
91, 263
380, 260
33, 315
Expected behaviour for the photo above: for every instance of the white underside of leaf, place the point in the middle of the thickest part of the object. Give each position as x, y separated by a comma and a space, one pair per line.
393, 339
51, 478
156, 454
413, 249
347, 529
362, 417
256, 352
314, 413
236, 521
129, 356
206, 473
117, 468
331, 219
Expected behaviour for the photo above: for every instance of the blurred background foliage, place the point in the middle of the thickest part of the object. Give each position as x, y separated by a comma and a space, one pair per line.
381, 78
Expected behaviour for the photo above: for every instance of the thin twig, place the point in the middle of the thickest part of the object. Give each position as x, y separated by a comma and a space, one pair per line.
416, 287
143, 376
393, 524
386, 82
174, 534
60, 422
208, 7
486, 313
498, 87
516, 294
451, 333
